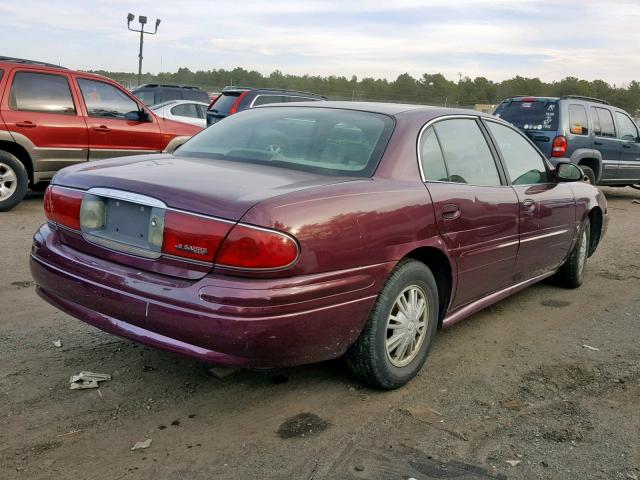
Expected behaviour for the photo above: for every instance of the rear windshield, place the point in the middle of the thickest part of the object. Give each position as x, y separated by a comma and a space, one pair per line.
530, 115
320, 140
224, 102
147, 97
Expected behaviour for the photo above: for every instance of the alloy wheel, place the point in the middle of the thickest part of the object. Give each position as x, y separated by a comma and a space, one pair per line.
8, 181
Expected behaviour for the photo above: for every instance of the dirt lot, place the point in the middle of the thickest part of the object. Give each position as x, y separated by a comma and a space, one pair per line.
514, 392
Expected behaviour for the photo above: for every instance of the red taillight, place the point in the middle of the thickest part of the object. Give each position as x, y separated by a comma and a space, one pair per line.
236, 104
252, 247
559, 146
62, 206
193, 236
529, 99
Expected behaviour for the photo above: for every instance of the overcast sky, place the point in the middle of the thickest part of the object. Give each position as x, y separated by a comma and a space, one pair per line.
380, 38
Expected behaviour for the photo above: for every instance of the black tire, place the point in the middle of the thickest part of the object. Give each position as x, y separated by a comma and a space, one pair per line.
589, 174
571, 274
10, 165
39, 187
368, 359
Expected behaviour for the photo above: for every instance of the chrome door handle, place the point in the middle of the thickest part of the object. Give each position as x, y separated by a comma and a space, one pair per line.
528, 204
450, 211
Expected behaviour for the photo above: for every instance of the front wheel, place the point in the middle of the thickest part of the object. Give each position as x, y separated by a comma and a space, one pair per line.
571, 274
397, 338
589, 174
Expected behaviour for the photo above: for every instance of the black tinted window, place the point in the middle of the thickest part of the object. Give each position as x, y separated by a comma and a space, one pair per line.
578, 122
431, 158
321, 140
147, 97
41, 92
529, 115
185, 110
266, 99
523, 162
468, 157
301, 99
104, 100
628, 130
606, 123
224, 102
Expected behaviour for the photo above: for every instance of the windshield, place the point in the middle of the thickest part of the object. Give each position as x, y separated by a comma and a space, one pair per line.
319, 140
539, 114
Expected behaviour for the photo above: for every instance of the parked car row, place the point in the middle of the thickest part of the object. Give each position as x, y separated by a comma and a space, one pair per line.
51, 117
602, 139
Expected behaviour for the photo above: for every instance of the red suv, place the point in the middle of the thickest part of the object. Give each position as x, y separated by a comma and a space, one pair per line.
51, 117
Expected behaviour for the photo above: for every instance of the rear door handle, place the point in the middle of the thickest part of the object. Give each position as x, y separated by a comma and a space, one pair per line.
450, 211
528, 204
597, 143
26, 124
624, 145
101, 128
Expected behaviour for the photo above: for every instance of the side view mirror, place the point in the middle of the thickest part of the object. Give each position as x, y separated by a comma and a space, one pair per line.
568, 172
137, 116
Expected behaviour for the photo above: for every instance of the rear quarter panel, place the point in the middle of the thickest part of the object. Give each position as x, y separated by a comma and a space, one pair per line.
352, 224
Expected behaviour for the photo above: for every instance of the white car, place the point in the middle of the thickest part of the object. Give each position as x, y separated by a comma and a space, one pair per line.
186, 111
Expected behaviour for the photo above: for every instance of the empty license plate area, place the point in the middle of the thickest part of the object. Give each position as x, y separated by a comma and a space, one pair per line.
123, 225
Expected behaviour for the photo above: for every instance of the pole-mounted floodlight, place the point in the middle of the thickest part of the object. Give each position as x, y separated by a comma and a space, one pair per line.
143, 20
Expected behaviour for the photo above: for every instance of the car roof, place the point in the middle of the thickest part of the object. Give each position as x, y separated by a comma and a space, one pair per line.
153, 86
176, 102
392, 109
236, 89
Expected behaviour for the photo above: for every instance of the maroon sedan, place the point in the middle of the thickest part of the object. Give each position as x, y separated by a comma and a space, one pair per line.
296, 233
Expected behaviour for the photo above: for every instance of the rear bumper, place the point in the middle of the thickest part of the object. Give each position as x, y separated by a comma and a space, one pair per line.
218, 319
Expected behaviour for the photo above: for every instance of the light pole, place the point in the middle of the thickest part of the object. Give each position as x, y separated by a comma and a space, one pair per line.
143, 20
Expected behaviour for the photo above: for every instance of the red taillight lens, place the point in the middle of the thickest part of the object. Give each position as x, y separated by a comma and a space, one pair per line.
62, 206
193, 236
559, 146
236, 104
251, 247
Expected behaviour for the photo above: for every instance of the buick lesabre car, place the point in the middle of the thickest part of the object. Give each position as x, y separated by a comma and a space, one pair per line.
296, 233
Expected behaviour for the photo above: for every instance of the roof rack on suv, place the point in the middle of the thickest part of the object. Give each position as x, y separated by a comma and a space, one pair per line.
269, 89
29, 62
588, 99
167, 85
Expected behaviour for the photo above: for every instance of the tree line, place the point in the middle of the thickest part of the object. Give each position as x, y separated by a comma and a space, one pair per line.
430, 89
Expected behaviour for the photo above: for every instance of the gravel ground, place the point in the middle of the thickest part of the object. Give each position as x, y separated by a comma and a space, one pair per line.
545, 384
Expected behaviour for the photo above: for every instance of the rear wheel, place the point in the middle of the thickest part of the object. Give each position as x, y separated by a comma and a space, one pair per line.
571, 274
589, 174
399, 333
13, 181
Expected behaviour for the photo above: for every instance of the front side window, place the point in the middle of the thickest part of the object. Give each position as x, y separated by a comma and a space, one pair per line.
628, 130
578, 122
185, 110
320, 140
524, 164
466, 153
104, 100
606, 122
41, 92
431, 159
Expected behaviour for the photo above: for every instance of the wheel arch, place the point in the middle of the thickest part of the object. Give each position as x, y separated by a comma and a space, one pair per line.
21, 154
589, 158
440, 266
595, 216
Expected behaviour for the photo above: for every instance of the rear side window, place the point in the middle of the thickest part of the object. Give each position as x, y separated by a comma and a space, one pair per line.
320, 140
224, 102
466, 152
104, 100
266, 99
431, 159
530, 115
607, 129
41, 92
578, 121
185, 110
523, 162
628, 130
